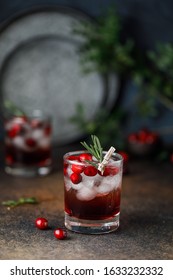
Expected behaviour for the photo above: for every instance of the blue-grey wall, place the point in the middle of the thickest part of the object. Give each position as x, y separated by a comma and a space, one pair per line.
148, 22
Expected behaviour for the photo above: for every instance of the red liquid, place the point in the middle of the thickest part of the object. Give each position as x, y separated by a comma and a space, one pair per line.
101, 207
18, 157
88, 193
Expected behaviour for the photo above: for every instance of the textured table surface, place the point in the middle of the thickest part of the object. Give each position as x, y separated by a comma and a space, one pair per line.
146, 230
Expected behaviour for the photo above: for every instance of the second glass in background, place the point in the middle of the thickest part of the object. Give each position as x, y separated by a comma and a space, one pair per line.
28, 144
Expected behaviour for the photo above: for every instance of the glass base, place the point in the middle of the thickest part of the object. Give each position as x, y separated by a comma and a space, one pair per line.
28, 171
92, 226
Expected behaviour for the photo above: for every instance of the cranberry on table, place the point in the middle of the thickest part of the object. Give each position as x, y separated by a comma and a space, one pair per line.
60, 233
41, 223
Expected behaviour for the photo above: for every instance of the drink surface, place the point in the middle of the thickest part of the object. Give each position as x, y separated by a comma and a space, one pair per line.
27, 141
89, 194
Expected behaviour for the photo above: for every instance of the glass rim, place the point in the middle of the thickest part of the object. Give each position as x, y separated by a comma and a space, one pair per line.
76, 152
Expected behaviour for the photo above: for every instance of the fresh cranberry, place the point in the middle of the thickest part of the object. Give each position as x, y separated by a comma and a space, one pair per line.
152, 138
60, 233
90, 171
41, 223
16, 128
48, 130
124, 155
65, 168
30, 142
85, 156
9, 160
73, 157
109, 171
36, 123
76, 178
133, 137
76, 168
143, 135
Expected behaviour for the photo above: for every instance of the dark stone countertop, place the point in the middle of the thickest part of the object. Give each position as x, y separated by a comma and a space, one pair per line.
146, 230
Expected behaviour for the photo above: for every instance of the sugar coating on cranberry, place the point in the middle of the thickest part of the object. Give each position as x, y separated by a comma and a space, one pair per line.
60, 233
41, 223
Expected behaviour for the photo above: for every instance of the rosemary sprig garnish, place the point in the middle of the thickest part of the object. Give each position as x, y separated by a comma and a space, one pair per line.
11, 108
20, 201
95, 149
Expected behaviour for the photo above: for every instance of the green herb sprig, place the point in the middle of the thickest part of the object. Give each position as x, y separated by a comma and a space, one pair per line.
20, 201
95, 148
11, 108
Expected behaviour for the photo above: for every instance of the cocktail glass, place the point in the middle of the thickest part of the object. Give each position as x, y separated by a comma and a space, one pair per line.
28, 145
92, 199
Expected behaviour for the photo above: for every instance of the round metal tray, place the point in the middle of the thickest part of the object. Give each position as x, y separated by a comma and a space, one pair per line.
40, 69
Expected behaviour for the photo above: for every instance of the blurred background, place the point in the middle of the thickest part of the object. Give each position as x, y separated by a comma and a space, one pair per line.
98, 67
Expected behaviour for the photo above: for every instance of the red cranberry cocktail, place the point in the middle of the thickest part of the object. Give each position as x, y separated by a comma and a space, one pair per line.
92, 197
28, 145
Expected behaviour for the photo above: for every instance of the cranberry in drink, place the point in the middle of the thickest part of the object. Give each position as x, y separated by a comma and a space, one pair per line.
28, 145
92, 198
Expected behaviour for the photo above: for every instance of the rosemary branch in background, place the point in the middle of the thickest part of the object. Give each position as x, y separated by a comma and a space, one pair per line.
103, 50
11, 108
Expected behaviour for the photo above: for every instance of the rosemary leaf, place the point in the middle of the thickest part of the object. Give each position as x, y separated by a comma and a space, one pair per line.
13, 109
95, 148
92, 163
9, 203
20, 201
